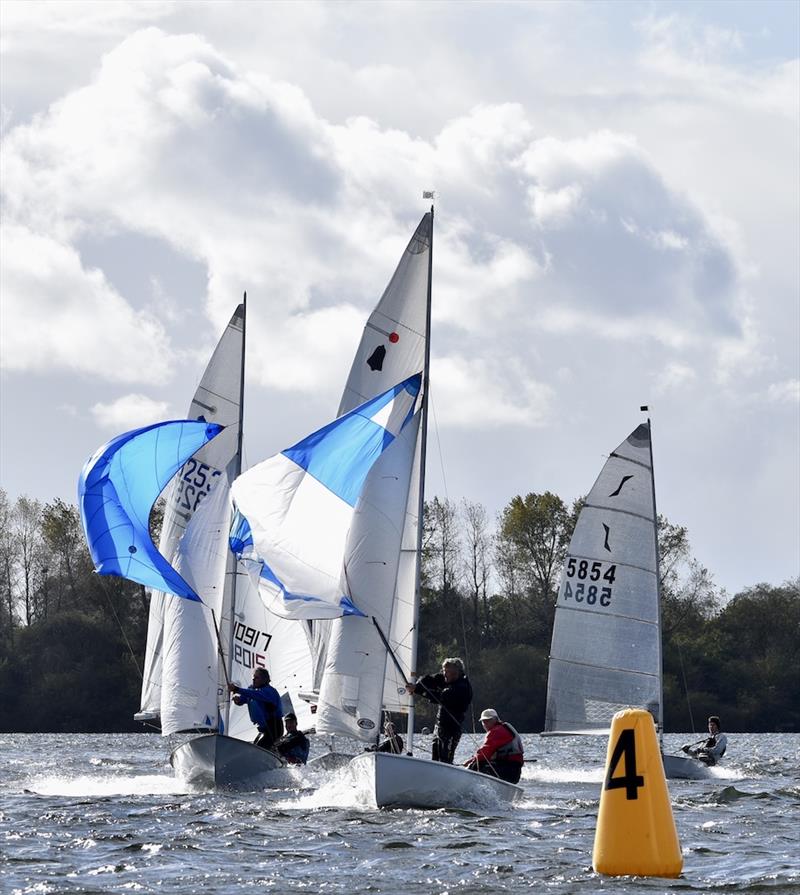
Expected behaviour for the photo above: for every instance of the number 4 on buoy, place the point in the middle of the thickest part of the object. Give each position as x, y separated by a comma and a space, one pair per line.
636, 832
624, 750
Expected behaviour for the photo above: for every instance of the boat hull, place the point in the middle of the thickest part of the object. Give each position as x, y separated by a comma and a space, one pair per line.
403, 781
681, 767
215, 760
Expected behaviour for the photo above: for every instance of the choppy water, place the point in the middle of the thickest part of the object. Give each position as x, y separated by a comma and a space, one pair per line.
103, 813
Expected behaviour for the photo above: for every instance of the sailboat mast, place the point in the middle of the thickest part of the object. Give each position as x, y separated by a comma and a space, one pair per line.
658, 588
240, 433
421, 504
233, 563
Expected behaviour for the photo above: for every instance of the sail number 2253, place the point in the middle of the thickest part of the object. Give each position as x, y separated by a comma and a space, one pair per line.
589, 582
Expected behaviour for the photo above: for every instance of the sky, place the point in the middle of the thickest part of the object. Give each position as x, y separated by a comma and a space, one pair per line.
617, 224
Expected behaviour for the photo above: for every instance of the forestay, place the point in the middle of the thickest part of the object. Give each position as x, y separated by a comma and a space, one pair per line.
392, 347
606, 647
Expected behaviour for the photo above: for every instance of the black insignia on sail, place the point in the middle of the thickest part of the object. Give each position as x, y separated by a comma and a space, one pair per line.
619, 487
606, 538
376, 359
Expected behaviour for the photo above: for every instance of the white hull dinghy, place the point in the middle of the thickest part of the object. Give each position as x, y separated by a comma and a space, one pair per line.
404, 781
682, 767
368, 660
207, 624
214, 760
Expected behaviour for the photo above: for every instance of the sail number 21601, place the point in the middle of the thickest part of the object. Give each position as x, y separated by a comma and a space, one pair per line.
589, 582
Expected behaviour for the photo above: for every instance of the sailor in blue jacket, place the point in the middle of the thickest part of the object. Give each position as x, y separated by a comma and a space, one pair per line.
264, 705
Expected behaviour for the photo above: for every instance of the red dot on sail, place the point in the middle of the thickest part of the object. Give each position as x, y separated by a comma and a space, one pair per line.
394, 337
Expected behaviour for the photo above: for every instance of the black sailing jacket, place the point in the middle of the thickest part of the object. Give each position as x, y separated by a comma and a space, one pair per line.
453, 699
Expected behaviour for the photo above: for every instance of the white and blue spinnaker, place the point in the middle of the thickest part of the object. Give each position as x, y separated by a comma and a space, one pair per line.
295, 509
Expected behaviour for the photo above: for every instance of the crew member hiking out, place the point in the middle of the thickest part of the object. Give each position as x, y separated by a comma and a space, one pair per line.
452, 691
501, 754
714, 747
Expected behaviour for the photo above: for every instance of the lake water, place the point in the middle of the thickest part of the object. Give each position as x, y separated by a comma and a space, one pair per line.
103, 814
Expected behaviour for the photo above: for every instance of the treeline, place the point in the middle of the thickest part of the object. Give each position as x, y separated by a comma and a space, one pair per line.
72, 642
489, 596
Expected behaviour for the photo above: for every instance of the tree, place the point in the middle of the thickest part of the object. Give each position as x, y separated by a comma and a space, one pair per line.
27, 532
7, 573
442, 550
477, 560
755, 646
688, 593
66, 553
531, 546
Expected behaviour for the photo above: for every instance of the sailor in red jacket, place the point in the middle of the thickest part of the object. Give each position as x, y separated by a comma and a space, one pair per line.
501, 754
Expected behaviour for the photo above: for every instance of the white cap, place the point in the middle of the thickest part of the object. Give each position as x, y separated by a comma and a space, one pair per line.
489, 715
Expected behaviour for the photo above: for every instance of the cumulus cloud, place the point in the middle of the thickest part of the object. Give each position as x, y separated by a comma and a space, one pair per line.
786, 392
239, 172
58, 315
129, 412
617, 237
674, 377
475, 393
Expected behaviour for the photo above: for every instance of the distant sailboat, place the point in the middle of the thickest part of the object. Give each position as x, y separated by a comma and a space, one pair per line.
606, 646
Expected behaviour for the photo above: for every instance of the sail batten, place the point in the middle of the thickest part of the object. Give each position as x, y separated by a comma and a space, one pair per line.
615, 614
604, 667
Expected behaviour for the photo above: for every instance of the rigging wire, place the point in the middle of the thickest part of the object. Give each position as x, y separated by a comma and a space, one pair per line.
685, 685
119, 624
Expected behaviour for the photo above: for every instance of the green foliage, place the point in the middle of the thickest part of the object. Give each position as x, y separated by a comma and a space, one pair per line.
67, 635
65, 659
57, 687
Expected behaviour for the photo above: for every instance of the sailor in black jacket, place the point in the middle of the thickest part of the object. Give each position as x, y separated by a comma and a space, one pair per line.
452, 691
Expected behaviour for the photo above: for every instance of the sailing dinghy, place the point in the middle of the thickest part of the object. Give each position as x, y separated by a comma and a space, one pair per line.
363, 662
213, 627
605, 654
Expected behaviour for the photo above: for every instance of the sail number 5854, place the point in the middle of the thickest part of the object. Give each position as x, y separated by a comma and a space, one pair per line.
586, 572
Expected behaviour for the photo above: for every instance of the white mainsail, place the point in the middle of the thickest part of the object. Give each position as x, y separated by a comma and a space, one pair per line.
260, 638
185, 675
352, 661
180, 684
606, 647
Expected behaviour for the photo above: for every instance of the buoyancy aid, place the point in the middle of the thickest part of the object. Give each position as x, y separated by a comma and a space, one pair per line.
711, 742
512, 750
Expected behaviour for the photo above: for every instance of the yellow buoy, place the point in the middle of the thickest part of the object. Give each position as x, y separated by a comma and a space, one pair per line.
636, 832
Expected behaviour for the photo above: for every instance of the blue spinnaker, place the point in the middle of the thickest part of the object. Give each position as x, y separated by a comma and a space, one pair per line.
295, 509
117, 489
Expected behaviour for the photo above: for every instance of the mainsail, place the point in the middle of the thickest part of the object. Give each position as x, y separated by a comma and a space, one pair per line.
183, 693
606, 648
353, 672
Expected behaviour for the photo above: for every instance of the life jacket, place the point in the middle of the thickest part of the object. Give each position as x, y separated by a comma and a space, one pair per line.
512, 751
